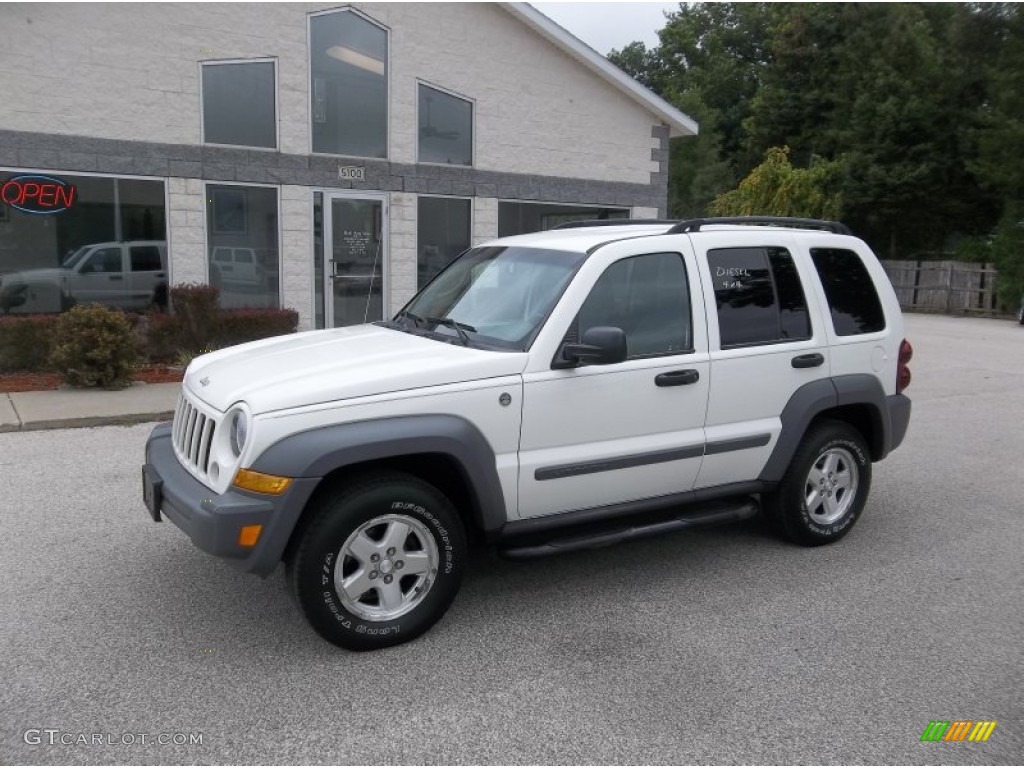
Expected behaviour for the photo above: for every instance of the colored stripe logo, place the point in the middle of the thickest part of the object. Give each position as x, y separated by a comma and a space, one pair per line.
958, 730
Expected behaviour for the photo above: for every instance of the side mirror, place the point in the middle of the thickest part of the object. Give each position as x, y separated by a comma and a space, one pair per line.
601, 345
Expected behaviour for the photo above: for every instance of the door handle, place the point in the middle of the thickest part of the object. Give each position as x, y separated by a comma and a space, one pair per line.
117, 277
677, 378
808, 361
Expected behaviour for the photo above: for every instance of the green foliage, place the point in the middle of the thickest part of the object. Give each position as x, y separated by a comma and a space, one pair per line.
26, 342
922, 105
96, 347
776, 188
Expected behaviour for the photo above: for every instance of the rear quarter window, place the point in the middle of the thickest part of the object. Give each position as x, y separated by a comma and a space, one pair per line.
759, 297
850, 291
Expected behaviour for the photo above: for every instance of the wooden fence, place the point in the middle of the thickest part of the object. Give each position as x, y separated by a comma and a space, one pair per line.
944, 286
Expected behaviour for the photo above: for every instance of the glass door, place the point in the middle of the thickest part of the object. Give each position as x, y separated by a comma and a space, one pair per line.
354, 228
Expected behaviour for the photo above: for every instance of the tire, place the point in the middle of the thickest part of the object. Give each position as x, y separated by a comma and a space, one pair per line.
832, 457
393, 534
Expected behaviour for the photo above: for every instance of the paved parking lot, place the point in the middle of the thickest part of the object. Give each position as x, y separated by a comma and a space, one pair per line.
718, 646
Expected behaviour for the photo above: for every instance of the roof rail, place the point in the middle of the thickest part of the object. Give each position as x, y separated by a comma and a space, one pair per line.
612, 223
694, 225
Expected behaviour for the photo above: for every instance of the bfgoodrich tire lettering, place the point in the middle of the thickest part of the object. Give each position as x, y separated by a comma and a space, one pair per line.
380, 563
824, 489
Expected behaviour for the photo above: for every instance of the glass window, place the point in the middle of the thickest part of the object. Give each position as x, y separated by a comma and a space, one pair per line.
58, 228
498, 295
145, 258
648, 298
348, 64
446, 128
516, 218
104, 260
239, 104
242, 242
759, 296
442, 234
850, 291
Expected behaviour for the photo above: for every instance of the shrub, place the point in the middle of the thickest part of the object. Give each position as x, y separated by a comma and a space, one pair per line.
240, 325
26, 342
164, 336
169, 340
95, 348
197, 308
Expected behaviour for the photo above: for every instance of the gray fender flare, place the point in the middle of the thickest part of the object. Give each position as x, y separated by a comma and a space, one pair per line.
317, 452
815, 397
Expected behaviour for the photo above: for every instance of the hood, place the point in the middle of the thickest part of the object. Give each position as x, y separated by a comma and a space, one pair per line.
337, 364
33, 275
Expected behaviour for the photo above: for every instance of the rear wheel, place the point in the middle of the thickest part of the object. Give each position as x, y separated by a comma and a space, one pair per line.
825, 488
380, 563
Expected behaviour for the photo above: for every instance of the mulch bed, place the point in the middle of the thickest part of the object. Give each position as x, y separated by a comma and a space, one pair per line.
38, 382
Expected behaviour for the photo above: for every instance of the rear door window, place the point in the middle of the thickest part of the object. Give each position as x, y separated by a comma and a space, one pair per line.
759, 297
852, 298
145, 258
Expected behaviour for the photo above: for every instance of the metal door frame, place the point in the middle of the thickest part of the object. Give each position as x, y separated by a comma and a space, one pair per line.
329, 196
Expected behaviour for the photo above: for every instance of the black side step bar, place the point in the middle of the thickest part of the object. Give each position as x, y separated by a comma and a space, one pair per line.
714, 513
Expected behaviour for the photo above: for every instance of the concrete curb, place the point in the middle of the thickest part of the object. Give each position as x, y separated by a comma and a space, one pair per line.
122, 420
77, 408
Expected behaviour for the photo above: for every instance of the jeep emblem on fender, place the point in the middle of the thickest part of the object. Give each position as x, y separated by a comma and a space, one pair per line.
205, 380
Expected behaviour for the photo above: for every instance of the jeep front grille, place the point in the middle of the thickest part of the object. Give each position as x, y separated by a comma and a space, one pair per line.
192, 433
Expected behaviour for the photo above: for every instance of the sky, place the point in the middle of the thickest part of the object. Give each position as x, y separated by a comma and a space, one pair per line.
604, 26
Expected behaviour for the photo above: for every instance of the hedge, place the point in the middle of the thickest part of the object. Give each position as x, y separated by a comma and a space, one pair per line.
26, 342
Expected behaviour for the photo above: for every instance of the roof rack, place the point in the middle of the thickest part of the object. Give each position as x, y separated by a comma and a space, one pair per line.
694, 225
612, 223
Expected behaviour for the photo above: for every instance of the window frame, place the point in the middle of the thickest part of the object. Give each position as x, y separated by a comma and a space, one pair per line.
277, 103
309, 83
164, 180
472, 228
801, 279
421, 83
691, 330
280, 227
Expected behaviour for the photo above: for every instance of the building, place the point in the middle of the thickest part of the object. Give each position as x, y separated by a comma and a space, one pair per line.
324, 158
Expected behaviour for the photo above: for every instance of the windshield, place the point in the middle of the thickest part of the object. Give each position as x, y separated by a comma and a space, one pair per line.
496, 296
74, 257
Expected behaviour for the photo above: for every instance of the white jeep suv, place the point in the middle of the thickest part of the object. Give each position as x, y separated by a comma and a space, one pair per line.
547, 392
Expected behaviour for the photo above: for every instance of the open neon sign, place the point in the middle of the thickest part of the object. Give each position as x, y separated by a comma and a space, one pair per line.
37, 194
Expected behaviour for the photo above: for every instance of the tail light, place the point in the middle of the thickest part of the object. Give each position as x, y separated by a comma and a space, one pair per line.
902, 371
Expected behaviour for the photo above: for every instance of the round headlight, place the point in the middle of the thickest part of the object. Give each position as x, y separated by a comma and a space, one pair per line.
239, 432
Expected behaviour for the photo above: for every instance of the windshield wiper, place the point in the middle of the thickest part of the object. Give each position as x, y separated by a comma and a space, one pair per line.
460, 328
407, 315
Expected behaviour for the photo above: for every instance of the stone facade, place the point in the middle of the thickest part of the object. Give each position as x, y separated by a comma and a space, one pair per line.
114, 89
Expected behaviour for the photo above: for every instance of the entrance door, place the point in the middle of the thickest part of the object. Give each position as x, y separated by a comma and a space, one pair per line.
354, 264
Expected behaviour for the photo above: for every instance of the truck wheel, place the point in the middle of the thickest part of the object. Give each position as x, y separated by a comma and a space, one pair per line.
380, 562
824, 490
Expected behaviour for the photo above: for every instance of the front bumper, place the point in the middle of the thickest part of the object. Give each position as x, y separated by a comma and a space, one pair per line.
213, 520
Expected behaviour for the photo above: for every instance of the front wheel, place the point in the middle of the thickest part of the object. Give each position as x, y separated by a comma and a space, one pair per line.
380, 563
825, 488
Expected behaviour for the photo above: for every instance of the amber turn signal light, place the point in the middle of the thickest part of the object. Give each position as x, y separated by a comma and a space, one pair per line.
248, 480
248, 535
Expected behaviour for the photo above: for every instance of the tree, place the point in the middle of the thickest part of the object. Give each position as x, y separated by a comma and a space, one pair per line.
776, 188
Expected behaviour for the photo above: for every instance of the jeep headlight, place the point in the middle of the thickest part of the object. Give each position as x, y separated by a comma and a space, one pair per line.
239, 431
